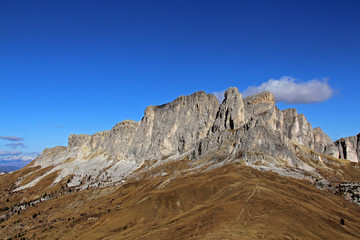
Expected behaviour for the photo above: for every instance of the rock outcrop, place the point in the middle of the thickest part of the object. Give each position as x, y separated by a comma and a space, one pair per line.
349, 148
231, 112
262, 106
174, 128
297, 128
324, 144
257, 104
262, 132
168, 130
197, 126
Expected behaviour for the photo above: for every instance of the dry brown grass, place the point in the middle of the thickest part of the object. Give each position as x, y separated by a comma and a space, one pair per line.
231, 202
333, 169
35, 174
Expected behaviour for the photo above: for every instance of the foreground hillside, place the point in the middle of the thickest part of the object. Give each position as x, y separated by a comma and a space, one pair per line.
229, 202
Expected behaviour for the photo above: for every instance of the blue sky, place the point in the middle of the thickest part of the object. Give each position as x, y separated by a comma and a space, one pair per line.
82, 66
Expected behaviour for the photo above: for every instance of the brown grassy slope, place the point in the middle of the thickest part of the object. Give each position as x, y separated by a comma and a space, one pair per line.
231, 202
10, 199
333, 169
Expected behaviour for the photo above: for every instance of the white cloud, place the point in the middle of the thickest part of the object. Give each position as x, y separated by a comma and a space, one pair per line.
12, 138
289, 90
17, 156
220, 95
16, 145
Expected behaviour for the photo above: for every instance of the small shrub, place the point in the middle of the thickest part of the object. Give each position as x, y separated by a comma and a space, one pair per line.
342, 221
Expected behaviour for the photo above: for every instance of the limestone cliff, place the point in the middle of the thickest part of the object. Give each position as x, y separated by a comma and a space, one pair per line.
349, 148
231, 112
324, 144
252, 130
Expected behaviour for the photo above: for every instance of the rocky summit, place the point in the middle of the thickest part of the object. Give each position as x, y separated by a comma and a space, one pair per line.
191, 169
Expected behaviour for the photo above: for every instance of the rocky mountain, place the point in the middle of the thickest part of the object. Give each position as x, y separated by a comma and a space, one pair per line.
193, 126
192, 135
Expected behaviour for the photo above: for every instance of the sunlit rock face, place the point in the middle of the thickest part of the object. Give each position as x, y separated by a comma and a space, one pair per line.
297, 128
231, 112
349, 148
197, 126
324, 144
174, 128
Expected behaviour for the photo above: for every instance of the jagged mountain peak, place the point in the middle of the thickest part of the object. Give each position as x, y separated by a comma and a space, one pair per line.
262, 97
196, 126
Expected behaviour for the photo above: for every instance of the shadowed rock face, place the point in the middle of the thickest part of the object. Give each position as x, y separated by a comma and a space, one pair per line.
349, 148
198, 127
231, 112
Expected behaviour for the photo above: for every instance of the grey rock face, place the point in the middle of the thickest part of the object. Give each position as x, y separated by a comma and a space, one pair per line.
262, 105
254, 142
78, 140
167, 130
231, 112
252, 129
174, 128
261, 132
324, 144
257, 104
297, 128
349, 148
49, 155
120, 138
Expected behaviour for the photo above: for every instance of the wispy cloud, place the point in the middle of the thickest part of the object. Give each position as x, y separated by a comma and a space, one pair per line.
290, 90
16, 145
12, 138
7, 153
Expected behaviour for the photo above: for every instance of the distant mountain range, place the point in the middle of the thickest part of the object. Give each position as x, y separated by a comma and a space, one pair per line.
9, 166
4, 169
